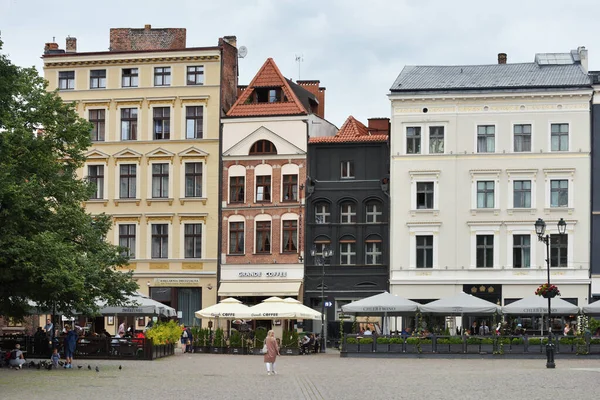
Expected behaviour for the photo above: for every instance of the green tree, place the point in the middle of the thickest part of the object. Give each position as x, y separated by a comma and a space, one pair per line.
52, 252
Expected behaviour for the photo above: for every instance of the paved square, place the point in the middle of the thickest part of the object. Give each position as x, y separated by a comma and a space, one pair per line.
324, 376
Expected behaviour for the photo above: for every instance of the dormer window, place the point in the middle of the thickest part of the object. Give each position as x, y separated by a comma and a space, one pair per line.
268, 95
263, 147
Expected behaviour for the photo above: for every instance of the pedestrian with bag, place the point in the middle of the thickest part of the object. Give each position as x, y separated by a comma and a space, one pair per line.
184, 338
271, 353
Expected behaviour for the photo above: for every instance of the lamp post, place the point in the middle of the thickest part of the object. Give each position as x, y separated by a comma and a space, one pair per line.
321, 259
540, 230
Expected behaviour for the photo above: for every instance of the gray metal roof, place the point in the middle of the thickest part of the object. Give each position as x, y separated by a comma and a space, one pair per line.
495, 76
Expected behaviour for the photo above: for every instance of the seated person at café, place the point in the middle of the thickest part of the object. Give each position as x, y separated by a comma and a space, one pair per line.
305, 344
16, 357
368, 332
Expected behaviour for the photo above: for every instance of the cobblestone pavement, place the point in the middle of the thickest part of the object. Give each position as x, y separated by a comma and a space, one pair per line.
322, 376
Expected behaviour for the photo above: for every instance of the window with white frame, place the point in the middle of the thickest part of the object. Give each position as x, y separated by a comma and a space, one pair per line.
160, 180
348, 212
127, 239
127, 181
485, 194
129, 123
96, 178
194, 122
559, 193
413, 140
522, 194
263, 188
193, 240
160, 240
424, 250
425, 195
347, 251
373, 251
521, 251
486, 138
436, 139
522, 137
347, 169
559, 246
374, 212
162, 123
485, 251
322, 213
193, 179
320, 244
559, 137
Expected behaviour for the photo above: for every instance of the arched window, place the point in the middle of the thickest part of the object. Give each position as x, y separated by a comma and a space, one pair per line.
374, 212
347, 250
263, 147
322, 212
373, 250
348, 212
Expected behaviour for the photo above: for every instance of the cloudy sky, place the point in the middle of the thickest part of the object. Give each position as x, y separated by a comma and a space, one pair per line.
355, 48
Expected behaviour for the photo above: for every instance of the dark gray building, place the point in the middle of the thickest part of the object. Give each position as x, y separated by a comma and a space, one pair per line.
595, 217
347, 212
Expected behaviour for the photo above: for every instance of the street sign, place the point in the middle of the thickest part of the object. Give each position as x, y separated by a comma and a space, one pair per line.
328, 303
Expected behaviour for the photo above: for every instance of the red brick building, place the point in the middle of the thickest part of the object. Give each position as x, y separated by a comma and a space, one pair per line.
265, 137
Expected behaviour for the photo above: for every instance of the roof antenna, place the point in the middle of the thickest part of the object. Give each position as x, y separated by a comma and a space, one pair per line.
299, 60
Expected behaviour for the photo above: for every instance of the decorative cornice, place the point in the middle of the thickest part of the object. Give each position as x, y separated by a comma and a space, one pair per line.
95, 104
150, 60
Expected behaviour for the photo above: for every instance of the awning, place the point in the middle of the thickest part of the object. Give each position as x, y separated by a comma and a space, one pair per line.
259, 289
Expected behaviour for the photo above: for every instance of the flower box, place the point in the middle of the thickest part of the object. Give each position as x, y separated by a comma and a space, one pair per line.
365, 345
547, 291
218, 350
201, 349
238, 350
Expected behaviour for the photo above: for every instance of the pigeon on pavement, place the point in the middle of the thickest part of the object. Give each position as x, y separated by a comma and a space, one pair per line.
89, 367
97, 369
79, 366
49, 367
120, 367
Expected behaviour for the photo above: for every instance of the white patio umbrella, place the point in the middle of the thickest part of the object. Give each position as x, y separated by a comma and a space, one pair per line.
139, 304
380, 304
460, 304
537, 305
229, 308
272, 308
592, 308
302, 311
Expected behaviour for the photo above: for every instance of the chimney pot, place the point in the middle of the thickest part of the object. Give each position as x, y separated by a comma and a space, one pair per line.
147, 27
71, 46
502, 58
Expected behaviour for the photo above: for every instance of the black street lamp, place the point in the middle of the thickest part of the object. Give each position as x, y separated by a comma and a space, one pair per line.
540, 230
322, 259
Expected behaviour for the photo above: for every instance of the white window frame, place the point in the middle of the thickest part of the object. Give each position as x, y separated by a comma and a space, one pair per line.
423, 230
234, 171
183, 120
263, 170
521, 175
261, 218
348, 164
289, 217
348, 214
520, 229
236, 219
421, 141
348, 254
373, 254
290, 169
428, 138
182, 224
324, 214
118, 123
149, 239
551, 174
377, 213
171, 121
487, 229
417, 176
549, 138
484, 123
512, 136
137, 235
485, 175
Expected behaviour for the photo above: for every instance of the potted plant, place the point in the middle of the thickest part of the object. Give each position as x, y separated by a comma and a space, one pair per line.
383, 343
442, 345
412, 345
473, 344
236, 344
201, 336
534, 345
259, 340
594, 346
547, 291
290, 343
456, 344
565, 345
351, 345
396, 344
218, 344
365, 345
486, 345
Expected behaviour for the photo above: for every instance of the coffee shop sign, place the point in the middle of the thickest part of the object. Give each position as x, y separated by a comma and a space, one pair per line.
259, 274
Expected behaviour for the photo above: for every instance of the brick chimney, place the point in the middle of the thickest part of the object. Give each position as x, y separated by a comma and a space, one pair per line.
232, 40
71, 46
502, 58
130, 39
318, 91
379, 126
48, 47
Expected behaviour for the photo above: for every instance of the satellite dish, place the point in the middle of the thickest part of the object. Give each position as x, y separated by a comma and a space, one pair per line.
242, 51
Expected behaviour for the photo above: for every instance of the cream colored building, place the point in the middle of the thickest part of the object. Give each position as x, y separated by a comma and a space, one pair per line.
155, 153
478, 154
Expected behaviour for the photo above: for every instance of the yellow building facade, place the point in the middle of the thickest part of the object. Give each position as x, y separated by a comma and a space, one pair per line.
155, 157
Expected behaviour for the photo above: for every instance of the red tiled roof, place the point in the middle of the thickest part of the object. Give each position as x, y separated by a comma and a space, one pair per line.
268, 76
353, 131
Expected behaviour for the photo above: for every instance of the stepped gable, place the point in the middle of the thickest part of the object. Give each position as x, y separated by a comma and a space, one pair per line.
352, 131
268, 76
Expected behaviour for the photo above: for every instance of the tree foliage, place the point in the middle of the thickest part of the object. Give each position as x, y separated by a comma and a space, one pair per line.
52, 252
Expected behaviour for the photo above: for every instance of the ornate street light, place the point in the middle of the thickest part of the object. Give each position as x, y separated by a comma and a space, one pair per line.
322, 259
540, 230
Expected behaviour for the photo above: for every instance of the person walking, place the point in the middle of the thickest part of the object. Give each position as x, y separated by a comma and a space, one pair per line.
70, 344
271, 353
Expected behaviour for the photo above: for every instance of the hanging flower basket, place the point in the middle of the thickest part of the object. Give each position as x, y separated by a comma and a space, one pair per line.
547, 291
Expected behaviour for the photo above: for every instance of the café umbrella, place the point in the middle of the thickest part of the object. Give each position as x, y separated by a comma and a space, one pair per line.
229, 308
537, 305
460, 304
277, 308
302, 311
141, 305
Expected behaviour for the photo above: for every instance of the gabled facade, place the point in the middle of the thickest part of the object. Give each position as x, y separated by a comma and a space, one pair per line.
155, 106
347, 212
265, 138
479, 152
